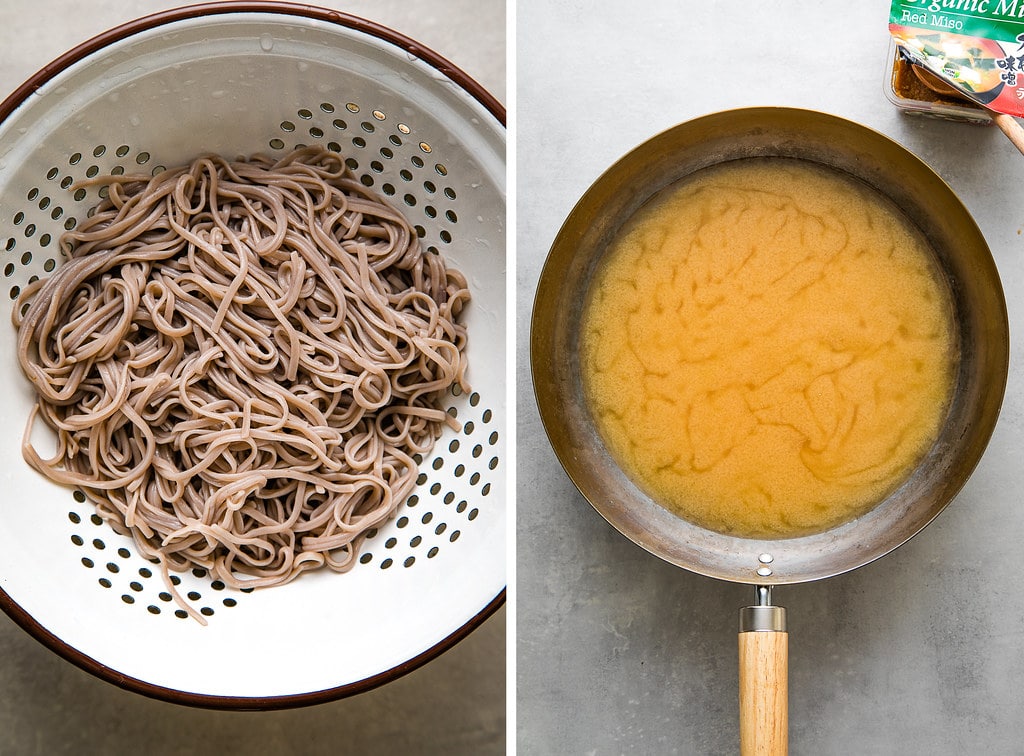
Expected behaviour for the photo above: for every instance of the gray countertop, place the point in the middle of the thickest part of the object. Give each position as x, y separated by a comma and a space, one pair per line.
452, 705
619, 652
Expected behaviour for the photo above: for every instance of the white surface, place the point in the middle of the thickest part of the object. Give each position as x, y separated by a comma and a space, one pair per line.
619, 652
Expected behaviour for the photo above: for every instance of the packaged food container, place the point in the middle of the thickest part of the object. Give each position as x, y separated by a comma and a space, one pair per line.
906, 91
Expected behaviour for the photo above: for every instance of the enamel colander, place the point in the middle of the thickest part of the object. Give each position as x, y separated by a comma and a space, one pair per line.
237, 79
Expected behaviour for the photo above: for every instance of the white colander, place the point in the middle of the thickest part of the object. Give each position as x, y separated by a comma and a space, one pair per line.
236, 79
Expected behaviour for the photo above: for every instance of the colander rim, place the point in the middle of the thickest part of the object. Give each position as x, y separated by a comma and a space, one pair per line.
118, 34
224, 7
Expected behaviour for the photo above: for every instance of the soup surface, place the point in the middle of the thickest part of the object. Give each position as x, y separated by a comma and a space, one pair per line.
767, 348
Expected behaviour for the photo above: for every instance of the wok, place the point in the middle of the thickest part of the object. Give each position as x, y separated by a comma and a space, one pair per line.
980, 375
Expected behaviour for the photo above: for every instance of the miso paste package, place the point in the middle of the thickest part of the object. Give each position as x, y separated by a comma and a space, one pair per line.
972, 47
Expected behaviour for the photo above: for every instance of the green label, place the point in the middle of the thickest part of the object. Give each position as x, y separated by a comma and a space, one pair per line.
993, 19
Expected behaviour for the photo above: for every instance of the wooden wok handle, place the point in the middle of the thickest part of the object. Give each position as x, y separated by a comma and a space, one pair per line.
764, 675
1013, 130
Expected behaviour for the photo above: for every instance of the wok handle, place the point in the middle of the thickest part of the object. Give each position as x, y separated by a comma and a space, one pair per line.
1013, 130
764, 673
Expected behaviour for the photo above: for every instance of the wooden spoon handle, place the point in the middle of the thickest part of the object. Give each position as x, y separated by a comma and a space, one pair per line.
764, 682
1012, 128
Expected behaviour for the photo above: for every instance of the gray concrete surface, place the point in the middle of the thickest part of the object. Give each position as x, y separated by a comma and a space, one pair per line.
453, 705
620, 653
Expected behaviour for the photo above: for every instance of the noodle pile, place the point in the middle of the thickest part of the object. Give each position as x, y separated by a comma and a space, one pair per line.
240, 360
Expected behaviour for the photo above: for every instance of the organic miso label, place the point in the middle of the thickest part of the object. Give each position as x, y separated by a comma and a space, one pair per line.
973, 46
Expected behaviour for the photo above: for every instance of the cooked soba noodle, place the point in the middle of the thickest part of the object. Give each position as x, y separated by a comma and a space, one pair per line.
241, 360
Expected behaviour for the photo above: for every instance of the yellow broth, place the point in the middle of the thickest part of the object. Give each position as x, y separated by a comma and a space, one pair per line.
767, 348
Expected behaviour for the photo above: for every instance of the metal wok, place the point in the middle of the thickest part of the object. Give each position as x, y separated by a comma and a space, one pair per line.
980, 376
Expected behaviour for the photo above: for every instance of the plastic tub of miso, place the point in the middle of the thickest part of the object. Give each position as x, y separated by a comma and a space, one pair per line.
905, 90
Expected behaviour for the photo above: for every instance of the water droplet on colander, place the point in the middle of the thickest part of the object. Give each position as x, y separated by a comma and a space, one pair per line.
303, 66
266, 42
134, 120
